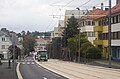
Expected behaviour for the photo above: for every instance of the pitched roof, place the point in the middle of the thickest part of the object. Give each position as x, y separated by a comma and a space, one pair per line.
94, 14
3, 33
114, 10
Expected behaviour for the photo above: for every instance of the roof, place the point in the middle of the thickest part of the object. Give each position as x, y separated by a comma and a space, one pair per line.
94, 14
114, 10
3, 33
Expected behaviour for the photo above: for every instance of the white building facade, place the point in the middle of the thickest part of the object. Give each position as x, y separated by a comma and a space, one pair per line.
5, 42
41, 44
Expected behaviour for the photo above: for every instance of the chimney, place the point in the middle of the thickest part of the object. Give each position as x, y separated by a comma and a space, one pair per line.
106, 9
94, 8
101, 6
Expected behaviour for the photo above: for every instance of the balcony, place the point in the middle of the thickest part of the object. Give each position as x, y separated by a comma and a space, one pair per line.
98, 42
98, 29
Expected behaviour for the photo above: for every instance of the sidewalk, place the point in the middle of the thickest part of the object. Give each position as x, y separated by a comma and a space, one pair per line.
7, 73
73, 70
105, 63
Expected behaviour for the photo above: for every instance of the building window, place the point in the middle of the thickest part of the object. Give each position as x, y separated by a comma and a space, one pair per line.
119, 35
89, 22
3, 39
3, 46
93, 34
113, 20
93, 23
100, 36
117, 19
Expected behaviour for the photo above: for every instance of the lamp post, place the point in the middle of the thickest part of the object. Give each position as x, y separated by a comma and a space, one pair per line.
79, 34
109, 33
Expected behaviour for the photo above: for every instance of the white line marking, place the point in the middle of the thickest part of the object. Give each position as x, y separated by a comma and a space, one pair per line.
23, 62
18, 72
33, 63
44, 78
28, 62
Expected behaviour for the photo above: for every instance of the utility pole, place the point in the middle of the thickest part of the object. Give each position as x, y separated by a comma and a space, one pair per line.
13, 44
109, 32
79, 35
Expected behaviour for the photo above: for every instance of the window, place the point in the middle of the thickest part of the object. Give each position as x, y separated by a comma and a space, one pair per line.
3, 46
113, 20
100, 36
89, 22
117, 19
93, 34
93, 22
3, 39
119, 35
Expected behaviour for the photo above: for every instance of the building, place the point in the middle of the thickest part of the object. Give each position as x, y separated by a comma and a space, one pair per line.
76, 13
87, 23
101, 29
60, 28
5, 42
117, 1
41, 44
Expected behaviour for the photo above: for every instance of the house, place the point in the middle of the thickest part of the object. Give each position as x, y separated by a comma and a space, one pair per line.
41, 44
101, 29
76, 13
5, 42
87, 23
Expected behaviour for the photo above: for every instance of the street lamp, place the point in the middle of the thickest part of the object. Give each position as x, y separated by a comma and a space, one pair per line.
109, 32
79, 34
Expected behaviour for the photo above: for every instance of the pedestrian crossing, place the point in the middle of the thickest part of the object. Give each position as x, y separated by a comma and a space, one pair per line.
27, 61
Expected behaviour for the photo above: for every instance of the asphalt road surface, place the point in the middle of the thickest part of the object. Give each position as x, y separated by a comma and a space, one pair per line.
30, 70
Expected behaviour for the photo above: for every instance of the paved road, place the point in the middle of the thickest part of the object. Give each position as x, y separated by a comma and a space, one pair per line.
30, 70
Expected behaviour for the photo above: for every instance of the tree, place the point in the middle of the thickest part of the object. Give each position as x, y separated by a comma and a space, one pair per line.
16, 53
84, 47
72, 27
19, 35
72, 46
70, 31
28, 44
93, 53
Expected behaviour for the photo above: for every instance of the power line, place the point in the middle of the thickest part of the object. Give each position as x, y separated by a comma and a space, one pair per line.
58, 12
68, 3
85, 3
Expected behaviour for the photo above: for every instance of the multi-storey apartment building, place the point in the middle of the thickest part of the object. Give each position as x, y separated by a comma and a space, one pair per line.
5, 42
87, 23
101, 30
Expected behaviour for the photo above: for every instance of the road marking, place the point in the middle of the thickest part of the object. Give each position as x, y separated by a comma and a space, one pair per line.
33, 63
28, 62
18, 72
23, 62
44, 78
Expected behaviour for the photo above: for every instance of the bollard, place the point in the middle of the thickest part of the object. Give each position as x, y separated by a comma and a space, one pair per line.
9, 65
0, 62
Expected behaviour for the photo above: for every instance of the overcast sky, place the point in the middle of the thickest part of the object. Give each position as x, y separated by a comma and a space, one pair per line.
35, 15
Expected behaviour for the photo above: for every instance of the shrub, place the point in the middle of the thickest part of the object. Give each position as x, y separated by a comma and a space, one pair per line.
93, 53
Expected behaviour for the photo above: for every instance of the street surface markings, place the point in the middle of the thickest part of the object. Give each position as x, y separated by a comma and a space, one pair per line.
44, 78
23, 62
27, 62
